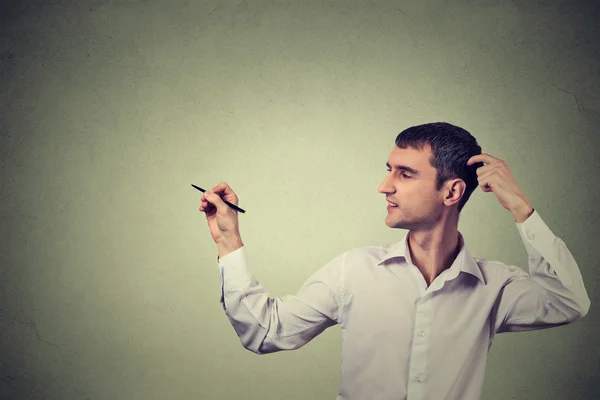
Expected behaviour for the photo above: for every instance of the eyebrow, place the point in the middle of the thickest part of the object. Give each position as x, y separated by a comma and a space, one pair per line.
403, 167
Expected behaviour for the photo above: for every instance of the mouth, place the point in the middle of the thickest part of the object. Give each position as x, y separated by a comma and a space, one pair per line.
390, 204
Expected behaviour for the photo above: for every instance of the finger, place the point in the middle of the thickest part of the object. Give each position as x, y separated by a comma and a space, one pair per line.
206, 206
483, 157
216, 201
486, 178
486, 185
222, 187
483, 184
489, 169
474, 159
228, 193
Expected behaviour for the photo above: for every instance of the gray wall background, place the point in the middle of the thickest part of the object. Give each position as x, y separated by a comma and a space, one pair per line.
109, 287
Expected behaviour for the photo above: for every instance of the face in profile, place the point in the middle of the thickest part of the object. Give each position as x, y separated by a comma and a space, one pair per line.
410, 186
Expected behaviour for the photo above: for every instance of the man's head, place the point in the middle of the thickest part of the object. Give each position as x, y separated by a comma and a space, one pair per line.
437, 179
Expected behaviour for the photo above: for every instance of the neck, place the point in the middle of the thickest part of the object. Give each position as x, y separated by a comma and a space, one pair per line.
434, 250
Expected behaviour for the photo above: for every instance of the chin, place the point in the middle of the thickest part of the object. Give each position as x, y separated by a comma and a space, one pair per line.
398, 224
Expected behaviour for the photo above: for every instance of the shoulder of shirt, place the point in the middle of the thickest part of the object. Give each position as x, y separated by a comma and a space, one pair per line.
491, 269
495, 270
372, 251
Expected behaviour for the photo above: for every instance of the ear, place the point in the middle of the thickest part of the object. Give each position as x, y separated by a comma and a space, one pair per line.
455, 188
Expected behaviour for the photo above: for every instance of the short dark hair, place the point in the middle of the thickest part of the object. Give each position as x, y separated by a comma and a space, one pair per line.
451, 148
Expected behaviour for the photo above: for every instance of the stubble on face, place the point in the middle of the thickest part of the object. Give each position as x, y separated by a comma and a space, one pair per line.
422, 215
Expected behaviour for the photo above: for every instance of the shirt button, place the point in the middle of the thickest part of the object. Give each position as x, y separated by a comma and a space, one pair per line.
531, 236
417, 379
421, 333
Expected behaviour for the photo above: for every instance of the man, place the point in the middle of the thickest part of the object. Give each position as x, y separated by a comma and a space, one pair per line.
418, 318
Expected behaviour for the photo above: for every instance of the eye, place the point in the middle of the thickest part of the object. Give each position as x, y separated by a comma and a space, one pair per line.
403, 174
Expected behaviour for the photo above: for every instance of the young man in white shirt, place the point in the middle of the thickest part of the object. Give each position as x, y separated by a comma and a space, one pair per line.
418, 317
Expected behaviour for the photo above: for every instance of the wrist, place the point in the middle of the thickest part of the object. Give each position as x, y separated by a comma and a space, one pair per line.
523, 212
229, 245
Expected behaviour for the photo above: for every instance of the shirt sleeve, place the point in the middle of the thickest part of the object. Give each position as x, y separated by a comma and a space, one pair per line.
268, 324
552, 294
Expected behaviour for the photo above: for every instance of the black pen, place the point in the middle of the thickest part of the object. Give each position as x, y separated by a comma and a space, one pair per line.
226, 202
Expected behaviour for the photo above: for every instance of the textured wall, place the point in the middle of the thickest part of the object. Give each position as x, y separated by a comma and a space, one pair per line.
109, 287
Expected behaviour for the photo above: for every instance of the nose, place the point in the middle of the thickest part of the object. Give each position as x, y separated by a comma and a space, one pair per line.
385, 186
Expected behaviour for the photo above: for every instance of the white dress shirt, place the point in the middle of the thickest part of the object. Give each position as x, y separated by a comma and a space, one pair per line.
402, 339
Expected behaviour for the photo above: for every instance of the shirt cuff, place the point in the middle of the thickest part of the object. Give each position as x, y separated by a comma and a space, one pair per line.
235, 271
535, 234
540, 241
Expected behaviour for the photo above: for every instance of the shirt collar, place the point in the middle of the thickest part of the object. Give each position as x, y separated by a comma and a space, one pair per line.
464, 261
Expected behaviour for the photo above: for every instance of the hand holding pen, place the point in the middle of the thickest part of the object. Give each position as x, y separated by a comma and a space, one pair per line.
225, 201
219, 204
